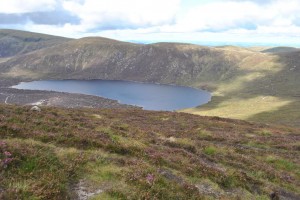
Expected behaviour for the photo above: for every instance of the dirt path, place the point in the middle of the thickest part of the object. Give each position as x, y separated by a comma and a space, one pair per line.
8, 98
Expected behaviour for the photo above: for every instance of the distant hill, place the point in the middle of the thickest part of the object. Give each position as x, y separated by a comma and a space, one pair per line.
91, 58
281, 50
13, 42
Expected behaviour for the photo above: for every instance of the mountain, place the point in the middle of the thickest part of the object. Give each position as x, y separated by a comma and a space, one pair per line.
92, 58
13, 42
245, 83
61, 153
281, 50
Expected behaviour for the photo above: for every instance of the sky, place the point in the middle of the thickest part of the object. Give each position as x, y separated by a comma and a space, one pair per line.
208, 22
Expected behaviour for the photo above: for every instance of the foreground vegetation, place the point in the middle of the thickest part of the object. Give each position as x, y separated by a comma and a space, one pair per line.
134, 154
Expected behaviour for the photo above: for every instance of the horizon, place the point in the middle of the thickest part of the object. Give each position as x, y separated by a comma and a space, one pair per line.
200, 43
204, 22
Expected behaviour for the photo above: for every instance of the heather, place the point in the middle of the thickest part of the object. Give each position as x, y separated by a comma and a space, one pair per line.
136, 154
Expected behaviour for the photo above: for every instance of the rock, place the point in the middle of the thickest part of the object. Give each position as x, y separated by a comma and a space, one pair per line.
284, 195
172, 139
85, 191
274, 196
2, 193
208, 188
169, 175
36, 109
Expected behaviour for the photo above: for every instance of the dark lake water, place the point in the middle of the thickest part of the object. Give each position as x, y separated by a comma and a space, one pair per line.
148, 96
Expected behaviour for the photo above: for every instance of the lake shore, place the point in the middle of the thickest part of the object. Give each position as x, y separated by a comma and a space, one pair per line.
10, 95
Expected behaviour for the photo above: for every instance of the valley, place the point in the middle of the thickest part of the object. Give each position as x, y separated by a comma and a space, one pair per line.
253, 84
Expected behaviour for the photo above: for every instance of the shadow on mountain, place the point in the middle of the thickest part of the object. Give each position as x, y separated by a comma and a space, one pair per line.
271, 95
285, 115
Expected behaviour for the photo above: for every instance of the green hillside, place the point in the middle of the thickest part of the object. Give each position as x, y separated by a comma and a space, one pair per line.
134, 154
264, 88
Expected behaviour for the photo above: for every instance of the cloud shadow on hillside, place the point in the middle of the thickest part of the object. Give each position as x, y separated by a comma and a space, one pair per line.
283, 85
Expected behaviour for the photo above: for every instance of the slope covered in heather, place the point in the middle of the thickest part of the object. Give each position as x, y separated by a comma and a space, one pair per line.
134, 154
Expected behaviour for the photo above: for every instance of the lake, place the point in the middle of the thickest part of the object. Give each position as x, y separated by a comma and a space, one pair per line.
146, 95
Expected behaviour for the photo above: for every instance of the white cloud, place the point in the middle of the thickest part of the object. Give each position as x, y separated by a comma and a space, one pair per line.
218, 16
166, 20
22, 6
114, 14
225, 15
66, 30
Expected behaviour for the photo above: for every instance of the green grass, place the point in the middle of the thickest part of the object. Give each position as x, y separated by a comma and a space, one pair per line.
282, 163
210, 150
99, 173
35, 166
264, 133
205, 134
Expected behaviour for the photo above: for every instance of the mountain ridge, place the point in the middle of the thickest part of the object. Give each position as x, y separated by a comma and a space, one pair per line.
15, 42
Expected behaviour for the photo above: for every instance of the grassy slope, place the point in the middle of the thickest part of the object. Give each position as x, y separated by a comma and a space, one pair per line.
264, 88
184, 156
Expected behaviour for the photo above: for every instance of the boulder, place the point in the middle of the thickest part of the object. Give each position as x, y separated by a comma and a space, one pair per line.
36, 109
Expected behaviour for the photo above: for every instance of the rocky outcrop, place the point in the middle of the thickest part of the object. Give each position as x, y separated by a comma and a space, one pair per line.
36, 109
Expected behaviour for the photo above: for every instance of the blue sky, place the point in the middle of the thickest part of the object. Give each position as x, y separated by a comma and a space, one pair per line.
217, 22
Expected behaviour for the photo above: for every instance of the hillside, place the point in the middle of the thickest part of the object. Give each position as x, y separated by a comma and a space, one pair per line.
92, 58
134, 154
265, 88
13, 42
245, 83
281, 50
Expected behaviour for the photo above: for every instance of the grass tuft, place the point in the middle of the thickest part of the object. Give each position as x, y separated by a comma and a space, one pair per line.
210, 150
